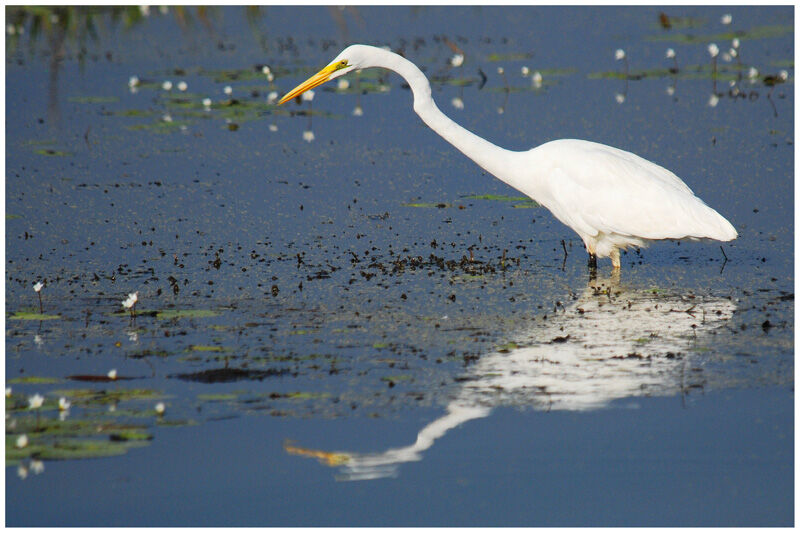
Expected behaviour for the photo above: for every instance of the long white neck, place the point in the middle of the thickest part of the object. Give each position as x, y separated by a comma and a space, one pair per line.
490, 157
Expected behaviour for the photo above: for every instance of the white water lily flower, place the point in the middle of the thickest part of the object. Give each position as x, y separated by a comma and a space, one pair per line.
457, 102
783, 75
500, 70
536, 79
726, 19
713, 100
713, 50
670, 90
273, 127
752, 73
182, 86
207, 103
37, 466
112, 374
308, 96
228, 90
265, 70
22, 472
160, 408
35, 401
38, 286
133, 81
525, 71
308, 136
358, 111
8, 392
732, 52
22, 441
63, 404
670, 53
343, 84
167, 118
457, 60
167, 85
619, 54
144, 10
735, 42
133, 296
271, 97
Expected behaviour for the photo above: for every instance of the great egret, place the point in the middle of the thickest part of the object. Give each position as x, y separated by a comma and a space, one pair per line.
611, 198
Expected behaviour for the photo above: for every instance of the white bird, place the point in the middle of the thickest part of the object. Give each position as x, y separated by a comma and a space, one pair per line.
611, 198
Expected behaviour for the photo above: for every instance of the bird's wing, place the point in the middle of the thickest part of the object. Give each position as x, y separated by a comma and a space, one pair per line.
596, 188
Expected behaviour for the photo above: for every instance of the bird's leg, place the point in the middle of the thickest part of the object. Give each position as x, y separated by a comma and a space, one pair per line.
615, 258
592, 261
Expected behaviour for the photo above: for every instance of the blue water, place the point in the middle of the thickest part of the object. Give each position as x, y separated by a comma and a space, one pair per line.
724, 459
376, 384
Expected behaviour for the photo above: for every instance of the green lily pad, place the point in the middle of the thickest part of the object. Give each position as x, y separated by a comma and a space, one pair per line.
498, 197
439, 205
399, 377
222, 397
108, 396
26, 315
505, 348
49, 152
64, 449
203, 348
169, 314
93, 99
509, 57
37, 380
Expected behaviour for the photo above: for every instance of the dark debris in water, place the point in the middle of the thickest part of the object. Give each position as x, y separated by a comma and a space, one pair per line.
227, 375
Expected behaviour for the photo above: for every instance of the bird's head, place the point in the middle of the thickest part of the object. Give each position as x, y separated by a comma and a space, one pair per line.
353, 57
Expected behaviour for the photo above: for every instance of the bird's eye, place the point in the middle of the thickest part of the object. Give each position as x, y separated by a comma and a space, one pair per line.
342, 63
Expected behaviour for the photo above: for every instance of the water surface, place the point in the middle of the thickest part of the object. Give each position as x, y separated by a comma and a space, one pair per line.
357, 326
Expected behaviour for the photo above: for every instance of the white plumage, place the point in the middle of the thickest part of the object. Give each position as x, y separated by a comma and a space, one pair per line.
611, 198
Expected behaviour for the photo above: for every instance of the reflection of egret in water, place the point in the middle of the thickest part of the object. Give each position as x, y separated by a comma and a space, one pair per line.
611, 343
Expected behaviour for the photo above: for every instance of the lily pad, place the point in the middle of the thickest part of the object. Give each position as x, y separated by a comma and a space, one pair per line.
37, 380
49, 152
204, 348
64, 449
104, 397
26, 315
169, 314
94, 99
499, 198
439, 205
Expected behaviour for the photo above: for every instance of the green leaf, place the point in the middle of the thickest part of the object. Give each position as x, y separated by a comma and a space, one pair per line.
25, 315
170, 314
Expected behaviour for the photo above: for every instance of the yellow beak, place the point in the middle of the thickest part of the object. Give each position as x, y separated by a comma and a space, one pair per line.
317, 79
